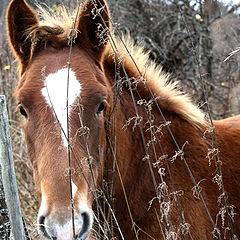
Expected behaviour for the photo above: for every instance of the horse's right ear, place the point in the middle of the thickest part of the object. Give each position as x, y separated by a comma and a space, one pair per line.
93, 25
20, 18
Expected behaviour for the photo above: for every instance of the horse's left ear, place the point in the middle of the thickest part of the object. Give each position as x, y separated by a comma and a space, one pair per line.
93, 25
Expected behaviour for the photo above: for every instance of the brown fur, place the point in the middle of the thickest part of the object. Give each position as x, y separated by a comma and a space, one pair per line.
95, 65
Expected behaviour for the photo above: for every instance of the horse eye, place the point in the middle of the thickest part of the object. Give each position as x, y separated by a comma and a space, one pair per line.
101, 107
22, 111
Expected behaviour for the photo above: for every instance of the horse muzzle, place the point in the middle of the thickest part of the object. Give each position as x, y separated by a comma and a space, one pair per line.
59, 225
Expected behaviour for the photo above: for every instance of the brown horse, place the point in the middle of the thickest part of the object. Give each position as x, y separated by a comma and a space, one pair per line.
117, 150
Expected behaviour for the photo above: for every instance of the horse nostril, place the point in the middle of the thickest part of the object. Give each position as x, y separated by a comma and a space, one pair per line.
41, 224
86, 225
42, 227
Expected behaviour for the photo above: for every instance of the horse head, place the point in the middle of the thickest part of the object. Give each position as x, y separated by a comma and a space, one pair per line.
65, 100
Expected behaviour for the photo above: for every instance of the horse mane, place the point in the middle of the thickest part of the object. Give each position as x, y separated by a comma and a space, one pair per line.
54, 28
159, 82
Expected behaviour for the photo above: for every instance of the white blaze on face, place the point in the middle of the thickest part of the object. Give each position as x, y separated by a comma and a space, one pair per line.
55, 94
74, 189
43, 207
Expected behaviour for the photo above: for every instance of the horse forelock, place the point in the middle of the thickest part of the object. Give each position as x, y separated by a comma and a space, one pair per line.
53, 29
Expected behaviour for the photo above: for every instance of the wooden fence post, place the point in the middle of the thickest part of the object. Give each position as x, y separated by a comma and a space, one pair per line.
8, 175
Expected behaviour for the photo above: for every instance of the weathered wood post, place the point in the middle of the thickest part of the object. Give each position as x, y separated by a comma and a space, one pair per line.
8, 175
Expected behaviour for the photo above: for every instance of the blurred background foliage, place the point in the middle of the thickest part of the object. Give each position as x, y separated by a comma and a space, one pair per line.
190, 39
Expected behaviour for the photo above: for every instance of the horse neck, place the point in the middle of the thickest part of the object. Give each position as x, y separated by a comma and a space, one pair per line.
129, 141
132, 142
127, 165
